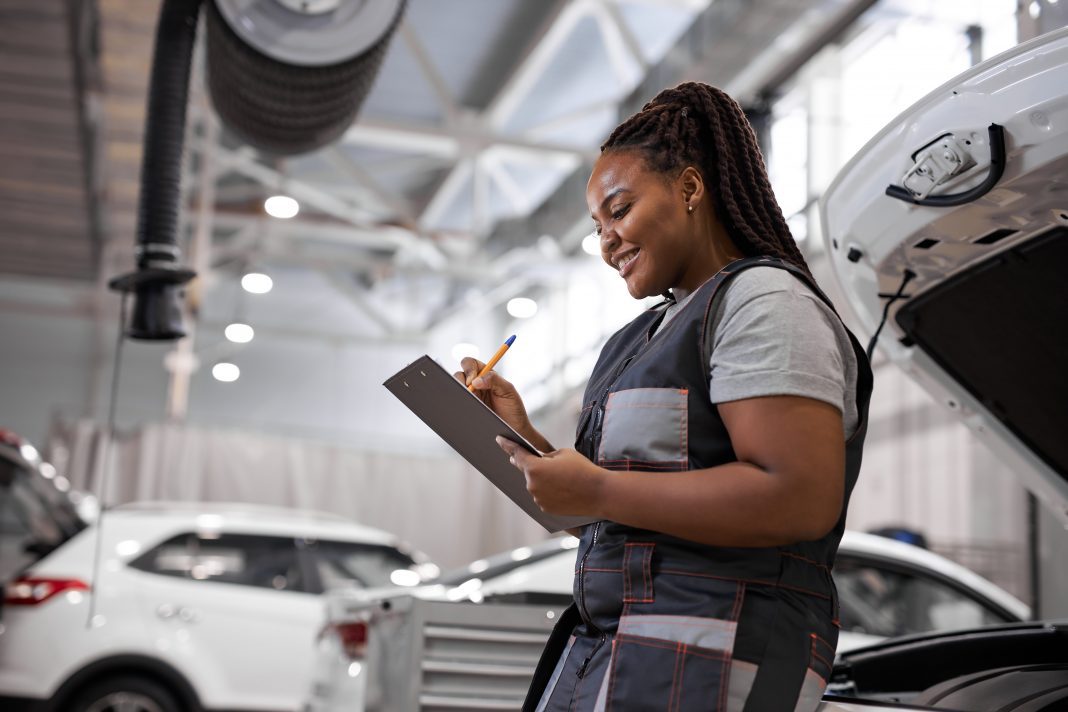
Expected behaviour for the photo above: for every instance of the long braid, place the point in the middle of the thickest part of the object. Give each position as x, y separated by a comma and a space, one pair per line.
696, 124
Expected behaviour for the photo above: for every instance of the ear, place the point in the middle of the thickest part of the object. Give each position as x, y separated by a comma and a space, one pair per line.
692, 186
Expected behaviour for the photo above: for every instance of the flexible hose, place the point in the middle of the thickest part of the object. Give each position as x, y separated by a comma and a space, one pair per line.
161, 162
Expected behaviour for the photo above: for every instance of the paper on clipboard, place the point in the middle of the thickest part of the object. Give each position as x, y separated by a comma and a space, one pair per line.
463, 421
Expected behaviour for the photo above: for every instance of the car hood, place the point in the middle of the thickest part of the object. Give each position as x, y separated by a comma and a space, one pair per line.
982, 323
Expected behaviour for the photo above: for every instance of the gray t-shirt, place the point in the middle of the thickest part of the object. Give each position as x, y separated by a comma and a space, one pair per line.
771, 336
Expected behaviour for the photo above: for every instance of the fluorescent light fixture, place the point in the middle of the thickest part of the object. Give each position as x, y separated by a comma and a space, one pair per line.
591, 244
225, 372
463, 349
522, 307
281, 206
239, 333
28, 452
257, 283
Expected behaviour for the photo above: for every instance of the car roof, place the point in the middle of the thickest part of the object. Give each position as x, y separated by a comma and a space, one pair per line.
253, 519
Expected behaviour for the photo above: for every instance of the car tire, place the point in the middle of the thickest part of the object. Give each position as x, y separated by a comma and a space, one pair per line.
125, 693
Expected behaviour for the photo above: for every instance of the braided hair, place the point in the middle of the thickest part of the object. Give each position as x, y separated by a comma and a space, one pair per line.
699, 125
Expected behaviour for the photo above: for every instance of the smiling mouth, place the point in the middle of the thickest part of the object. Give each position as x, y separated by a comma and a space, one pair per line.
624, 263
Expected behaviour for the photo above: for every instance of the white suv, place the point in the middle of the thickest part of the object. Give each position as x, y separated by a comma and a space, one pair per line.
194, 606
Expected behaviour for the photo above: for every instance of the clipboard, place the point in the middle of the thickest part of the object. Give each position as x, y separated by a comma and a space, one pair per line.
462, 420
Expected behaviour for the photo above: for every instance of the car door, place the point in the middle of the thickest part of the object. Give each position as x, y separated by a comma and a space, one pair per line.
882, 598
236, 611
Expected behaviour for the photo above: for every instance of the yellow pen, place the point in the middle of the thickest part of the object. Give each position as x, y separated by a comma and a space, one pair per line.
493, 361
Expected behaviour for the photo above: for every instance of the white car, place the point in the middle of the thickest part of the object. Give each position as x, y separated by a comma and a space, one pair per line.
886, 588
166, 607
950, 228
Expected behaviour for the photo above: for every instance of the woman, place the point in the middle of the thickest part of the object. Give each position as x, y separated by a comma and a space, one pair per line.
719, 440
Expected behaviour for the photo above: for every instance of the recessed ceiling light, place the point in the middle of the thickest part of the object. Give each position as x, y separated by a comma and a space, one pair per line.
281, 206
225, 372
257, 283
522, 307
239, 333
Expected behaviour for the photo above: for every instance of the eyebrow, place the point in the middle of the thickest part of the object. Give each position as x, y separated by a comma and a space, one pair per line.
608, 198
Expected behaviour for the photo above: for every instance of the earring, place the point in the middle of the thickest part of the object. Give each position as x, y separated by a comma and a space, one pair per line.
689, 208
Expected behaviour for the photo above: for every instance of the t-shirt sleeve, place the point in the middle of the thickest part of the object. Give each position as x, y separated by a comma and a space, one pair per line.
771, 335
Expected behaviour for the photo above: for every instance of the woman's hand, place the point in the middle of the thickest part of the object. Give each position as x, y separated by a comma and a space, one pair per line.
562, 482
502, 398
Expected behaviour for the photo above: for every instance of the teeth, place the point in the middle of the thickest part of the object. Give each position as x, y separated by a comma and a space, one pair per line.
625, 260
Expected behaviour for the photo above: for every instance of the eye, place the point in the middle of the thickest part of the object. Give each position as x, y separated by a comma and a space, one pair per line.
597, 229
620, 211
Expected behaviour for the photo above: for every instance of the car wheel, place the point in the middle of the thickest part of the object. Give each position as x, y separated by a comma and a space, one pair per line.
125, 694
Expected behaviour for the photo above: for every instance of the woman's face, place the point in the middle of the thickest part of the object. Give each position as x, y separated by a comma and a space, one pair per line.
646, 233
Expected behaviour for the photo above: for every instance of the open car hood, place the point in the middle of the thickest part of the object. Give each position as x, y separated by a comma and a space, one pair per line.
982, 324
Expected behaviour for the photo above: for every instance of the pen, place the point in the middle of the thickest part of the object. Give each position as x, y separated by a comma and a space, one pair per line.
493, 361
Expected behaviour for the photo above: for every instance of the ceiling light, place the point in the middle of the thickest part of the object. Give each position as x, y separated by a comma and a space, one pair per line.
591, 244
281, 206
257, 283
225, 372
1034, 10
239, 333
459, 351
522, 307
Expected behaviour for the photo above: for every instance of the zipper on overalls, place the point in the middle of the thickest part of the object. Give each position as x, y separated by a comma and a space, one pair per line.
583, 612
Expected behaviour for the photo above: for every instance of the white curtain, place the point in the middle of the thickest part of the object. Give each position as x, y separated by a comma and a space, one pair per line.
438, 504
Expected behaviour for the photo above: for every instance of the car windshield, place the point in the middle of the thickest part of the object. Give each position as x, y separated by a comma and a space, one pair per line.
363, 565
498, 564
35, 517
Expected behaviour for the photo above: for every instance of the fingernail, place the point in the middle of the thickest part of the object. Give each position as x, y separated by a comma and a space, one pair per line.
499, 439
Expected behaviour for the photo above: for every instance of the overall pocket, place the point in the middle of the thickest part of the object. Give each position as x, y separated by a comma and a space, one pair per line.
645, 428
658, 674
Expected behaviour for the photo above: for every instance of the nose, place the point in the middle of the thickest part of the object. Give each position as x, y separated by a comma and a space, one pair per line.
609, 241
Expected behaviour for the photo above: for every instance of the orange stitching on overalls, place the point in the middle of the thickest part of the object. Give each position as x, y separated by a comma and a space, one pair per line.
684, 430
724, 681
626, 464
739, 595
772, 584
820, 658
706, 653
647, 573
703, 625
603, 571
612, 677
806, 560
816, 636
675, 681
671, 465
627, 549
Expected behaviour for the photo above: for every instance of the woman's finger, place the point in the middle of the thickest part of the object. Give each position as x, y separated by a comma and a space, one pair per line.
471, 368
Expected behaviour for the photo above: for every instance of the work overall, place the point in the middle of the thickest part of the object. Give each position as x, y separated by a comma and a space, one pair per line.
661, 623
